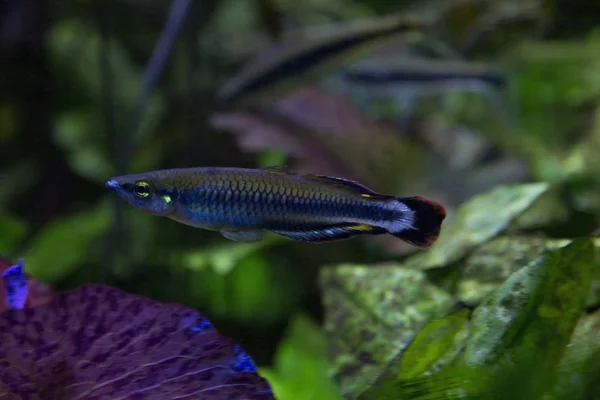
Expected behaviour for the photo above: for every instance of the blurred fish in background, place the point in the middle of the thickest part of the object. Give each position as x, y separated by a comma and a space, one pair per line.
306, 56
327, 96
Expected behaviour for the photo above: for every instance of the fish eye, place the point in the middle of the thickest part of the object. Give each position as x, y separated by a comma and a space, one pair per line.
142, 189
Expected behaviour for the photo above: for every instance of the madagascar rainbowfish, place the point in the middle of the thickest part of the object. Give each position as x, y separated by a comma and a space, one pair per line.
241, 203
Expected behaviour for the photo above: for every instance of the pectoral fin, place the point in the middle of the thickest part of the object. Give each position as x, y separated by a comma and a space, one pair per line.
243, 236
330, 233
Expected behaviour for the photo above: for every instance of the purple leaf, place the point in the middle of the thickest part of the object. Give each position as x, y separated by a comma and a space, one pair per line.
327, 134
98, 342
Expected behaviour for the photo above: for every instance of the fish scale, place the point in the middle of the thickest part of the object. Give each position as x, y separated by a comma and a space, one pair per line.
250, 199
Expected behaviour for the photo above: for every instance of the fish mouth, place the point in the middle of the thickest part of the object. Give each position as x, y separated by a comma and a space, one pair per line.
112, 184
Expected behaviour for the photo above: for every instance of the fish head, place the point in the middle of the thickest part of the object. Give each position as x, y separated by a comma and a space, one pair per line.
150, 191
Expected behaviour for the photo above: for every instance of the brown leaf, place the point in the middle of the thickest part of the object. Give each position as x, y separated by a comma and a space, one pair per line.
327, 134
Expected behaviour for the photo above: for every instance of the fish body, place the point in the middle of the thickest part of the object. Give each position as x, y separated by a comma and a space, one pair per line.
241, 203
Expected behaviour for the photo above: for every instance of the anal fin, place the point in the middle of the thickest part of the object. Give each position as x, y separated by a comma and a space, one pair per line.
330, 233
243, 236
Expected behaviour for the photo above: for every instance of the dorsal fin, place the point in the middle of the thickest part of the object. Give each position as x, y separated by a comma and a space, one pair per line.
347, 183
278, 170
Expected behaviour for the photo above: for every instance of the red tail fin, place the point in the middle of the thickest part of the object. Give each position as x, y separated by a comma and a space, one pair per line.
426, 224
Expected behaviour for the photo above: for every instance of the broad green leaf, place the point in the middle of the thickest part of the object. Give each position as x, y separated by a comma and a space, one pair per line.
518, 335
64, 243
527, 323
579, 369
371, 314
301, 370
484, 270
435, 346
433, 342
476, 222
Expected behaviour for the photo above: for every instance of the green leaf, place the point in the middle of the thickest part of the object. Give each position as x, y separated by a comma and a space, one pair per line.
63, 244
484, 270
301, 370
371, 314
436, 345
434, 341
518, 335
546, 291
578, 371
476, 222
527, 323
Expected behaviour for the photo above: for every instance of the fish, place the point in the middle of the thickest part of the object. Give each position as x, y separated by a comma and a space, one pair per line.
406, 78
242, 203
286, 64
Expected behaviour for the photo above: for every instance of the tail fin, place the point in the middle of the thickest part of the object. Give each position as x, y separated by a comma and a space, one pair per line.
425, 225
